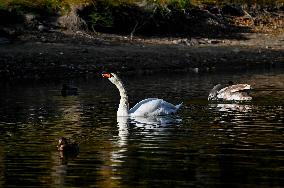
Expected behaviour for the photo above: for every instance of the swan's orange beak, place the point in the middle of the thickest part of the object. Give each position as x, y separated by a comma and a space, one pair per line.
106, 75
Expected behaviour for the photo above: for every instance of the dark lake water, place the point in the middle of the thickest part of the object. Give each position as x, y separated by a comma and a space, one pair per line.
206, 145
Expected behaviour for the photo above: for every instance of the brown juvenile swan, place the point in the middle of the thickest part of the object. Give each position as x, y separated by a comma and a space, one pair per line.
236, 92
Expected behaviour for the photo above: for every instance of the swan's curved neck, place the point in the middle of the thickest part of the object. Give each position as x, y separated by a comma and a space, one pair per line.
123, 104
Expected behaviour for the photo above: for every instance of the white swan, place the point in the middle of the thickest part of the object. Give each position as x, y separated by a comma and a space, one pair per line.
145, 108
237, 92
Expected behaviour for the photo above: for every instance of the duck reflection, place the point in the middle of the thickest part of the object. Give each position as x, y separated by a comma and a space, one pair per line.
67, 151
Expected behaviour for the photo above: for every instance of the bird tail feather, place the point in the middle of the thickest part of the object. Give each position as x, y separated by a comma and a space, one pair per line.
178, 106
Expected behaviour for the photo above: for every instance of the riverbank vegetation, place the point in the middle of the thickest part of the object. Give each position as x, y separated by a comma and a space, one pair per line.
55, 38
146, 17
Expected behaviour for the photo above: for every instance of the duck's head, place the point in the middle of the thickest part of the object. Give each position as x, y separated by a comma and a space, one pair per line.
62, 144
67, 150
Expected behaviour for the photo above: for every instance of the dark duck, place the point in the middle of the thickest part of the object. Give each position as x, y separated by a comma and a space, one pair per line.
69, 90
66, 147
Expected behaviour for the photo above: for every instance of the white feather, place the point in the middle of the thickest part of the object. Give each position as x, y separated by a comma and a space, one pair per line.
147, 107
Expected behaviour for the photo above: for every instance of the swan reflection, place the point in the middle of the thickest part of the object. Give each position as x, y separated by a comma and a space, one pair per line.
126, 129
123, 131
155, 121
124, 123
120, 142
231, 107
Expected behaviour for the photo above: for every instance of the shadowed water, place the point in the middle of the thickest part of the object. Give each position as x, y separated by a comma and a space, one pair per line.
206, 145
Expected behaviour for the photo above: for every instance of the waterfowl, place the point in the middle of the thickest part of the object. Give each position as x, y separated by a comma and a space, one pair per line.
66, 146
68, 90
145, 108
233, 92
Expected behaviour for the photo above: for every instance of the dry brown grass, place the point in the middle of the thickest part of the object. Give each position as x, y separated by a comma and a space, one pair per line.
181, 3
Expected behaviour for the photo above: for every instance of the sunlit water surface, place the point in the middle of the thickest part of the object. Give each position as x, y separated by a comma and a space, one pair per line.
206, 145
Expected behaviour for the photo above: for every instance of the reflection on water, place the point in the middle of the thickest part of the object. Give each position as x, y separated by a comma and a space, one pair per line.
118, 155
206, 145
232, 107
125, 128
123, 131
155, 122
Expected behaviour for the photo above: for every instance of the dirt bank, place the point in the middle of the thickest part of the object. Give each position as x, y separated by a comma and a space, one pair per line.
61, 55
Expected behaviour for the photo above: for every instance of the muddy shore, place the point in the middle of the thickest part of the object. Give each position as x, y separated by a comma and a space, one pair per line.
37, 55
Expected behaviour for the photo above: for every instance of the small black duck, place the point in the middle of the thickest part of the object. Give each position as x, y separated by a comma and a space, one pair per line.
69, 90
65, 145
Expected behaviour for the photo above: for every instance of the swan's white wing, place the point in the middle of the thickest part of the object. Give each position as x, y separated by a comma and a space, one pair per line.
153, 107
134, 108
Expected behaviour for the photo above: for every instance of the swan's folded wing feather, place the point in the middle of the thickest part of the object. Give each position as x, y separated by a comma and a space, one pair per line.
153, 107
139, 104
235, 92
235, 88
